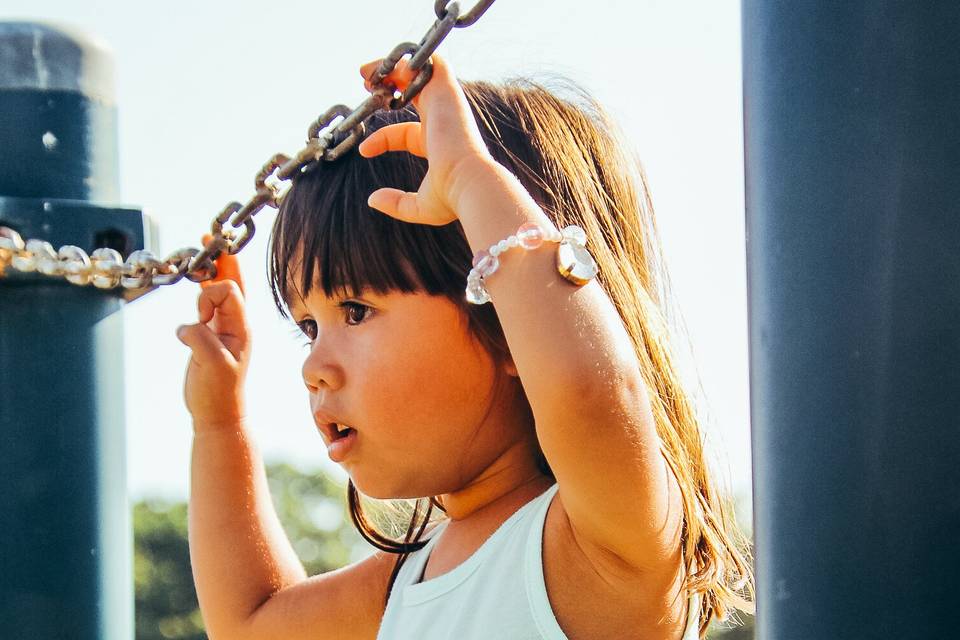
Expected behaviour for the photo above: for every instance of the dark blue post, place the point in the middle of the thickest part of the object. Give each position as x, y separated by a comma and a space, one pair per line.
852, 130
65, 534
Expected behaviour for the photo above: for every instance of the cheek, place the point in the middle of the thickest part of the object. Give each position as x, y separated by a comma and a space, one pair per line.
427, 397
440, 385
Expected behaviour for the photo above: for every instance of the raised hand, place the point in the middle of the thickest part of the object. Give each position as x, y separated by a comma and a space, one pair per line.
220, 345
447, 136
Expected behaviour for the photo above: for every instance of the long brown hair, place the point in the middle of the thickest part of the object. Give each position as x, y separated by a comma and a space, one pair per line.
565, 151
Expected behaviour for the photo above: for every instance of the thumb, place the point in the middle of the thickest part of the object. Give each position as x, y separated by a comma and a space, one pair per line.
206, 346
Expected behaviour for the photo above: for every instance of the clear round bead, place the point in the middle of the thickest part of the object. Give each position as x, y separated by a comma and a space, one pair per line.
576, 234
485, 264
530, 236
513, 241
503, 246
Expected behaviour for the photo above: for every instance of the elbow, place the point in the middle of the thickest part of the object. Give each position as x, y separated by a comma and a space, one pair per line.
619, 386
617, 390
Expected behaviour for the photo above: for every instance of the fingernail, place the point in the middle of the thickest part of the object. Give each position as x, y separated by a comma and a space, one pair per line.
180, 330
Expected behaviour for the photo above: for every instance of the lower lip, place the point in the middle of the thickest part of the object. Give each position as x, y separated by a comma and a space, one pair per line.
338, 449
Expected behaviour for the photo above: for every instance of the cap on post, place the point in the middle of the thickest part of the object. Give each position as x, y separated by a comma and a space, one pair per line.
57, 114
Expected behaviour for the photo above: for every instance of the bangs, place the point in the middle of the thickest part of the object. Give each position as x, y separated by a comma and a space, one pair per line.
326, 235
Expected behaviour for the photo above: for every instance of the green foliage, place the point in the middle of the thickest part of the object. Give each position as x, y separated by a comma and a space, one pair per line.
164, 598
312, 509
314, 512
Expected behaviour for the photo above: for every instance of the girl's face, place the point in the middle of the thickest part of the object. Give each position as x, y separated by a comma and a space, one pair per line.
404, 371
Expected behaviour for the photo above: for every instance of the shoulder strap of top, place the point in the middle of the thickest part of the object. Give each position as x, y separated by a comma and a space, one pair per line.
413, 565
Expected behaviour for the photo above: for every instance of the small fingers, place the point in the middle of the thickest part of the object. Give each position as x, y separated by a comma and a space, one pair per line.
206, 346
396, 203
400, 77
403, 136
366, 70
228, 268
441, 69
226, 299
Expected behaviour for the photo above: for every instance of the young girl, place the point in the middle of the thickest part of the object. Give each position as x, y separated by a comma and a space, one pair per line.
547, 424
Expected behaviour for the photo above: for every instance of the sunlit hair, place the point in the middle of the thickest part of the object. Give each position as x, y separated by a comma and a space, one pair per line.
565, 151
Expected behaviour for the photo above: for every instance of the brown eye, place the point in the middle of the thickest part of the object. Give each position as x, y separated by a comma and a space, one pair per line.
308, 328
356, 312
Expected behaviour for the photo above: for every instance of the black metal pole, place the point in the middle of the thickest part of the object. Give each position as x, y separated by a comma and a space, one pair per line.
65, 535
852, 143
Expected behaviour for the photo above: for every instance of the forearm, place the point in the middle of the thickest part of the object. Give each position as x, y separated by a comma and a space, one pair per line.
582, 379
238, 549
561, 337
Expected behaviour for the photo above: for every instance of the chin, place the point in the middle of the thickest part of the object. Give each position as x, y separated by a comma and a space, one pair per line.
390, 489
376, 488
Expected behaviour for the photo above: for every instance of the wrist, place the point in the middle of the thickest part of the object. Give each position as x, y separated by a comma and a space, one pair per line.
220, 425
473, 174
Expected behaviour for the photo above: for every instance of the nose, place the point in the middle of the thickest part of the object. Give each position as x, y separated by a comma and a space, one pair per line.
320, 370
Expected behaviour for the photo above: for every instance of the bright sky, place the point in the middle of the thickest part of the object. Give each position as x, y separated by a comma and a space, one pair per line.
208, 91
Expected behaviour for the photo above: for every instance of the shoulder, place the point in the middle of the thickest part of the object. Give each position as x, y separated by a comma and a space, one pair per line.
350, 599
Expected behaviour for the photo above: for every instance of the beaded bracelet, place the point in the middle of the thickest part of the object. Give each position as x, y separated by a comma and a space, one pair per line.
574, 262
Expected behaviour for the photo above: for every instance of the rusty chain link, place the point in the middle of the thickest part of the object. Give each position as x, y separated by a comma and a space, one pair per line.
233, 227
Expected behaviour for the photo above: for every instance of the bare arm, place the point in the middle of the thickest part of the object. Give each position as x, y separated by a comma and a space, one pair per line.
238, 549
582, 379
250, 583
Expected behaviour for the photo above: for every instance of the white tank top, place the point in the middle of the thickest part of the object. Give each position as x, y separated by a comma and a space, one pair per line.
497, 593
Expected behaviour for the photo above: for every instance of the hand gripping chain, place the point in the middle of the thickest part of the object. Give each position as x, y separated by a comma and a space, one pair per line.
233, 228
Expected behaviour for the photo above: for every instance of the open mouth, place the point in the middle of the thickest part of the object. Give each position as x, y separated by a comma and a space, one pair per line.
341, 431
340, 439
334, 431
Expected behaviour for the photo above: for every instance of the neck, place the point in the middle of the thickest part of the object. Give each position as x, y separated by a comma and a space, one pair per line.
511, 480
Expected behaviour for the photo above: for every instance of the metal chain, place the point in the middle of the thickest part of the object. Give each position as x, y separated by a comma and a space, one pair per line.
233, 227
